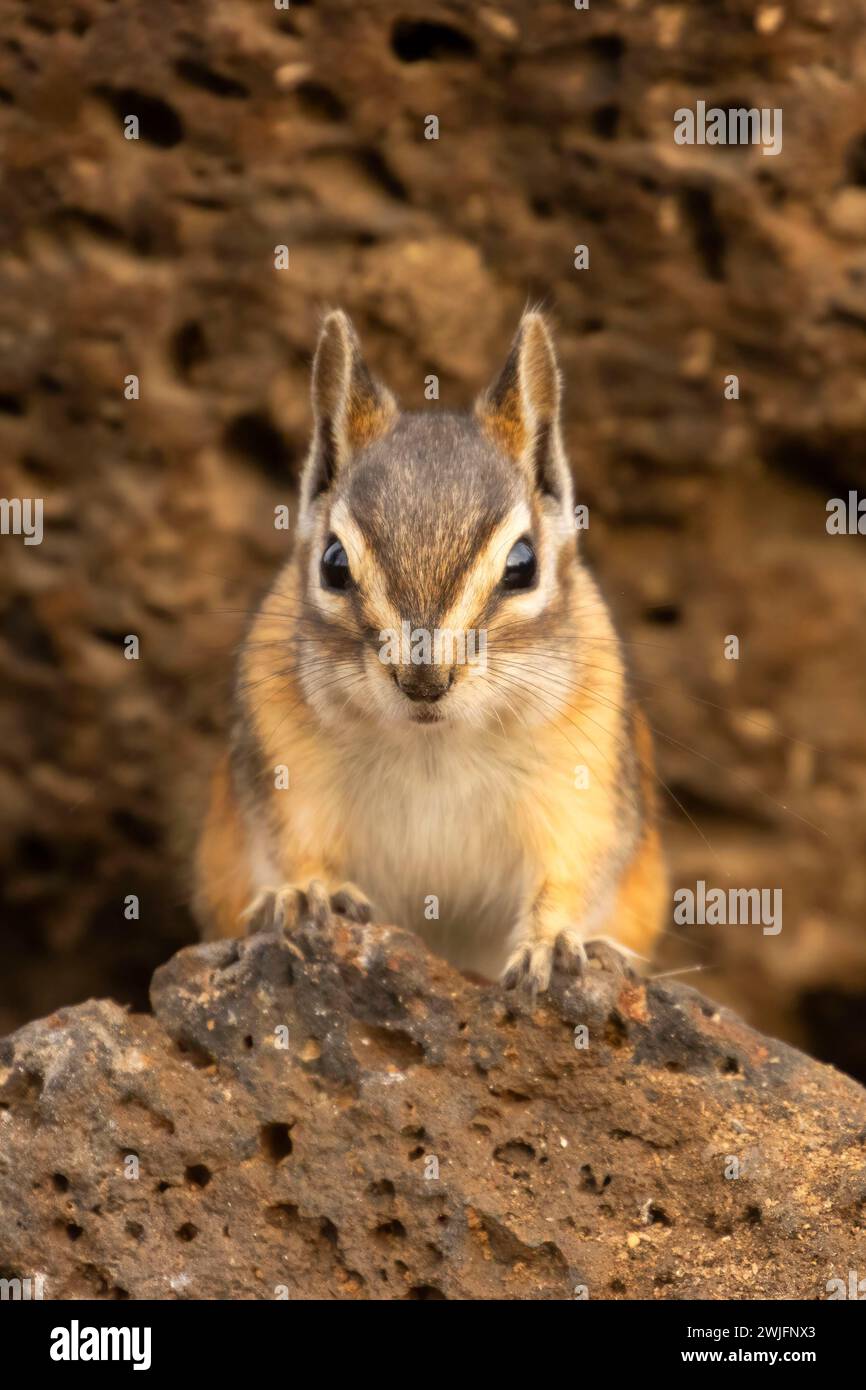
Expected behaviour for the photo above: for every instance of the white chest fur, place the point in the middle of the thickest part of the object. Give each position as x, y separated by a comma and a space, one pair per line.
428, 830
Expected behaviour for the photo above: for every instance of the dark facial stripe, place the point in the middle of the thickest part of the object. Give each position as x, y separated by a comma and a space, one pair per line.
427, 501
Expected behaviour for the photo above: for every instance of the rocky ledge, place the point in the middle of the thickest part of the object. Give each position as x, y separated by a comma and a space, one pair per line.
341, 1115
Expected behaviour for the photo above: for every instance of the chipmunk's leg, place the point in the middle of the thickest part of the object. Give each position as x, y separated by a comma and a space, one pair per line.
226, 902
223, 882
548, 935
558, 927
283, 908
561, 920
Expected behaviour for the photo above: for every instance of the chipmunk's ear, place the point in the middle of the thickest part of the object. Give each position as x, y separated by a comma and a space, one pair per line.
350, 409
520, 411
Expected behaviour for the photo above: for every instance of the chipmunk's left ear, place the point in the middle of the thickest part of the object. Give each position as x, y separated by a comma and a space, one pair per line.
520, 411
350, 408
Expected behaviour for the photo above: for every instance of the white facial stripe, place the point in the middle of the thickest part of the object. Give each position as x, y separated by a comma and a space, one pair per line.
484, 576
345, 527
487, 569
490, 565
363, 567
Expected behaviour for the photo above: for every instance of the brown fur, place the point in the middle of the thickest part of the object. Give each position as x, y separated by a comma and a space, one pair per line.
223, 885
478, 806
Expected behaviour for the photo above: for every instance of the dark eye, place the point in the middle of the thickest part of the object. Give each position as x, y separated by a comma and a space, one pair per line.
335, 566
520, 567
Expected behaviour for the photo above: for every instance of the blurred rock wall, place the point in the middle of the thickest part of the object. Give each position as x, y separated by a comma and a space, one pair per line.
305, 127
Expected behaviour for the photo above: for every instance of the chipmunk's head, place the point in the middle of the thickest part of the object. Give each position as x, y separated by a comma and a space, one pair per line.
438, 550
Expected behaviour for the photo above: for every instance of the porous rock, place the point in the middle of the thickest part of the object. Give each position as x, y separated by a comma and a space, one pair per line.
341, 1115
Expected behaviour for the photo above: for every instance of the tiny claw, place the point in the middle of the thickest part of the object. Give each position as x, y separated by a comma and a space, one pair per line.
276, 910
318, 904
528, 969
531, 966
613, 956
348, 901
266, 913
569, 955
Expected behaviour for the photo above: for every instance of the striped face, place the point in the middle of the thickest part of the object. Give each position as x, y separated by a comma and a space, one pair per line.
438, 552
434, 576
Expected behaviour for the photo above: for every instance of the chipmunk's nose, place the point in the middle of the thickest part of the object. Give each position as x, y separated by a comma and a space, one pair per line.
427, 683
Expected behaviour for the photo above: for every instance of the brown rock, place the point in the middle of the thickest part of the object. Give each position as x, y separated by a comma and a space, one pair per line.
419, 1137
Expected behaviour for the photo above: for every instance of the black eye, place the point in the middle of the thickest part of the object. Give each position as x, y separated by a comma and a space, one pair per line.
335, 566
520, 567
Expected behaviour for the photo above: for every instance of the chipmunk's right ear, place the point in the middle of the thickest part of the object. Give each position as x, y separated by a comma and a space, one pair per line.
350, 408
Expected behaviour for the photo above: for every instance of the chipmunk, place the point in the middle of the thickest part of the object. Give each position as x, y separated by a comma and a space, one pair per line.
502, 808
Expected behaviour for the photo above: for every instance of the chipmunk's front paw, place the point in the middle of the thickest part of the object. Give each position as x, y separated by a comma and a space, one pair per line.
532, 963
284, 909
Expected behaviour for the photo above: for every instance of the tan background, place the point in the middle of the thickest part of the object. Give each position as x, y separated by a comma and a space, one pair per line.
708, 516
